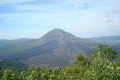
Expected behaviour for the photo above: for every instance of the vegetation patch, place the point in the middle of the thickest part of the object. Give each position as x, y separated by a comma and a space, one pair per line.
104, 65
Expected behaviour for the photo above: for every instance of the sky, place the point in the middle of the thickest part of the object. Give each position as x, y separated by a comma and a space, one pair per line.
82, 18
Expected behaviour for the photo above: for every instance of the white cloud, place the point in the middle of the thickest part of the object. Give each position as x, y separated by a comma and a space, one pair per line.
31, 7
4, 15
116, 26
109, 20
81, 20
14, 1
34, 32
75, 3
107, 14
116, 10
29, 33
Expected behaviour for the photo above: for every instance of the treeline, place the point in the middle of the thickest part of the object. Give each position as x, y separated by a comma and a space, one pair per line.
13, 65
104, 65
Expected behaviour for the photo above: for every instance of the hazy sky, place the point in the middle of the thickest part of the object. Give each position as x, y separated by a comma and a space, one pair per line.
83, 18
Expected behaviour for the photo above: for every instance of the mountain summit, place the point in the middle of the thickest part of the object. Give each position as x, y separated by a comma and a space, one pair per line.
63, 36
57, 34
55, 48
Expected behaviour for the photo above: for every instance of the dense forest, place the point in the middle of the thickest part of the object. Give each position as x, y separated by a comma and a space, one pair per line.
12, 65
103, 65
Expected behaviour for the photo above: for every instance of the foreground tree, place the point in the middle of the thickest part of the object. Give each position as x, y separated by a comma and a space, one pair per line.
107, 52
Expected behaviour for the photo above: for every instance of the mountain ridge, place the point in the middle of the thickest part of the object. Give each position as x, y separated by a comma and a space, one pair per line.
56, 48
109, 39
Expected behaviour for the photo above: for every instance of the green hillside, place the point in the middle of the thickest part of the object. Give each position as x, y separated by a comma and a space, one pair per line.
13, 65
17, 46
104, 65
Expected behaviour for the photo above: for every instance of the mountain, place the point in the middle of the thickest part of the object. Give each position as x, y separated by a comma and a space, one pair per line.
110, 39
4, 41
56, 48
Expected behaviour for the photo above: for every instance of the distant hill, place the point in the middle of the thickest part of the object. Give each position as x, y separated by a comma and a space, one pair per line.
56, 48
24, 39
110, 39
4, 41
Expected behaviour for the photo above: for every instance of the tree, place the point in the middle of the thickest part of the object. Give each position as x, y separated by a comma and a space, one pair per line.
82, 60
108, 52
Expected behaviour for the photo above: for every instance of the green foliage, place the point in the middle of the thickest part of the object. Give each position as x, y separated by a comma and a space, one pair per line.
12, 65
82, 61
102, 66
107, 52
